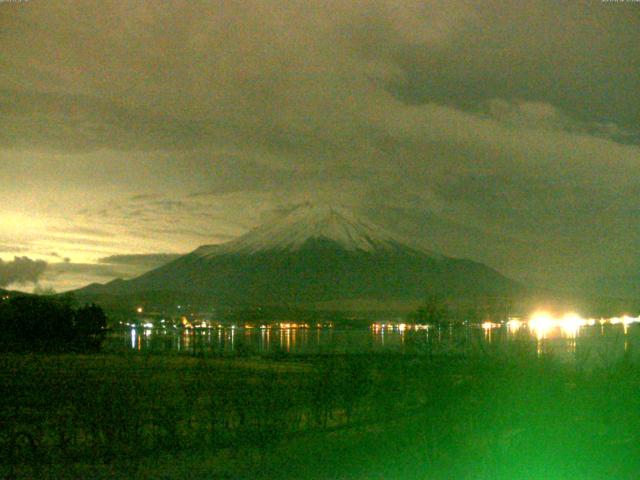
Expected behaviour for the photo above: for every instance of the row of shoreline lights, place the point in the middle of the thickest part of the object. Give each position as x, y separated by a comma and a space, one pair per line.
542, 323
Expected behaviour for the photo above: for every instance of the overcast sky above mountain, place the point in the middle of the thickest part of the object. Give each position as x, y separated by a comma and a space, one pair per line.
503, 131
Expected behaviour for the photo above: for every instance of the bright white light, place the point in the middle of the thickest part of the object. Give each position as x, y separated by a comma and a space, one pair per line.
541, 323
627, 320
133, 338
514, 325
571, 323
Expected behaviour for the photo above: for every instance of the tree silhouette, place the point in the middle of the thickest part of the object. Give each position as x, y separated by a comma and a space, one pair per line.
90, 324
37, 323
433, 311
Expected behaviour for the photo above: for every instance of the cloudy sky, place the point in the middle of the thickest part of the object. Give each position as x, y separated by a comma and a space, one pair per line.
503, 131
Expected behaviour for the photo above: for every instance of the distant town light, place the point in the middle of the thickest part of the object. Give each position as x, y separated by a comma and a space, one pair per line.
514, 325
540, 323
570, 324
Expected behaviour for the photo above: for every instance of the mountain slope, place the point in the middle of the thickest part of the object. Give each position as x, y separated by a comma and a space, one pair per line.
314, 254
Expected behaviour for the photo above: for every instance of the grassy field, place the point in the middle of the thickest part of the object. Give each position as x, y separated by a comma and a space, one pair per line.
493, 415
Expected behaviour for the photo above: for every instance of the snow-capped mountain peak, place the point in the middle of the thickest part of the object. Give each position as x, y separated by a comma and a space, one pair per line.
312, 253
306, 222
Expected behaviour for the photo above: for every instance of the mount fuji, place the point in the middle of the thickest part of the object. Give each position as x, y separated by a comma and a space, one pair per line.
309, 255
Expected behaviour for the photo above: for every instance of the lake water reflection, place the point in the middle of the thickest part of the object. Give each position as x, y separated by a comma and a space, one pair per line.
586, 343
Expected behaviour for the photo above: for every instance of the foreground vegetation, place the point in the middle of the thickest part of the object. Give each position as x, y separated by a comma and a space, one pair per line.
492, 415
33, 323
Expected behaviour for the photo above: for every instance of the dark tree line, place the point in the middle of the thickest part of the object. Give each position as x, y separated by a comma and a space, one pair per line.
44, 323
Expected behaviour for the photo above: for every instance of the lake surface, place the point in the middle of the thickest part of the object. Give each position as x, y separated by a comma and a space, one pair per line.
588, 343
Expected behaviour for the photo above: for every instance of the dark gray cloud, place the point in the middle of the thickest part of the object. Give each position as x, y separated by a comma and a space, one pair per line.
151, 260
67, 275
62, 276
7, 248
92, 269
579, 56
83, 231
21, 270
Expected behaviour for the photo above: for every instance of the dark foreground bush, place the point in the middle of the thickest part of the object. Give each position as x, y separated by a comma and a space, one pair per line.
37, 323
